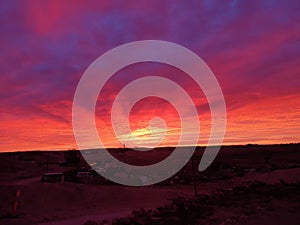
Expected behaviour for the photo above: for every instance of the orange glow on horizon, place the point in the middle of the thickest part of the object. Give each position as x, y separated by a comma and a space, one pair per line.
276, 121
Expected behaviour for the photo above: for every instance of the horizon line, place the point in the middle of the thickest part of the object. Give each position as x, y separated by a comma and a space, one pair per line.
114, 148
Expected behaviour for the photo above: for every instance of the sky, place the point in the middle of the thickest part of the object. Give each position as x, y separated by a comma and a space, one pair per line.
252, 47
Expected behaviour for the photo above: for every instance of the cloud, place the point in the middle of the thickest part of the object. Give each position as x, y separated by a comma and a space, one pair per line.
252, 47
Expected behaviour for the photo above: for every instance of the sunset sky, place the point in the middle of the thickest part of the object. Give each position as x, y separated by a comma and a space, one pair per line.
253, 48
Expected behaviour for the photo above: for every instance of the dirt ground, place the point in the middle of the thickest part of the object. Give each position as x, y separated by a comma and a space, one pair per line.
75, 203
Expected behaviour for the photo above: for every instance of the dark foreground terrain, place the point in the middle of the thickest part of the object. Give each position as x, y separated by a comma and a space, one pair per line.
245, 185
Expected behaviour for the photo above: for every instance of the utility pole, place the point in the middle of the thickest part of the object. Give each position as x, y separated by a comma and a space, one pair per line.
194, 178
47, 163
